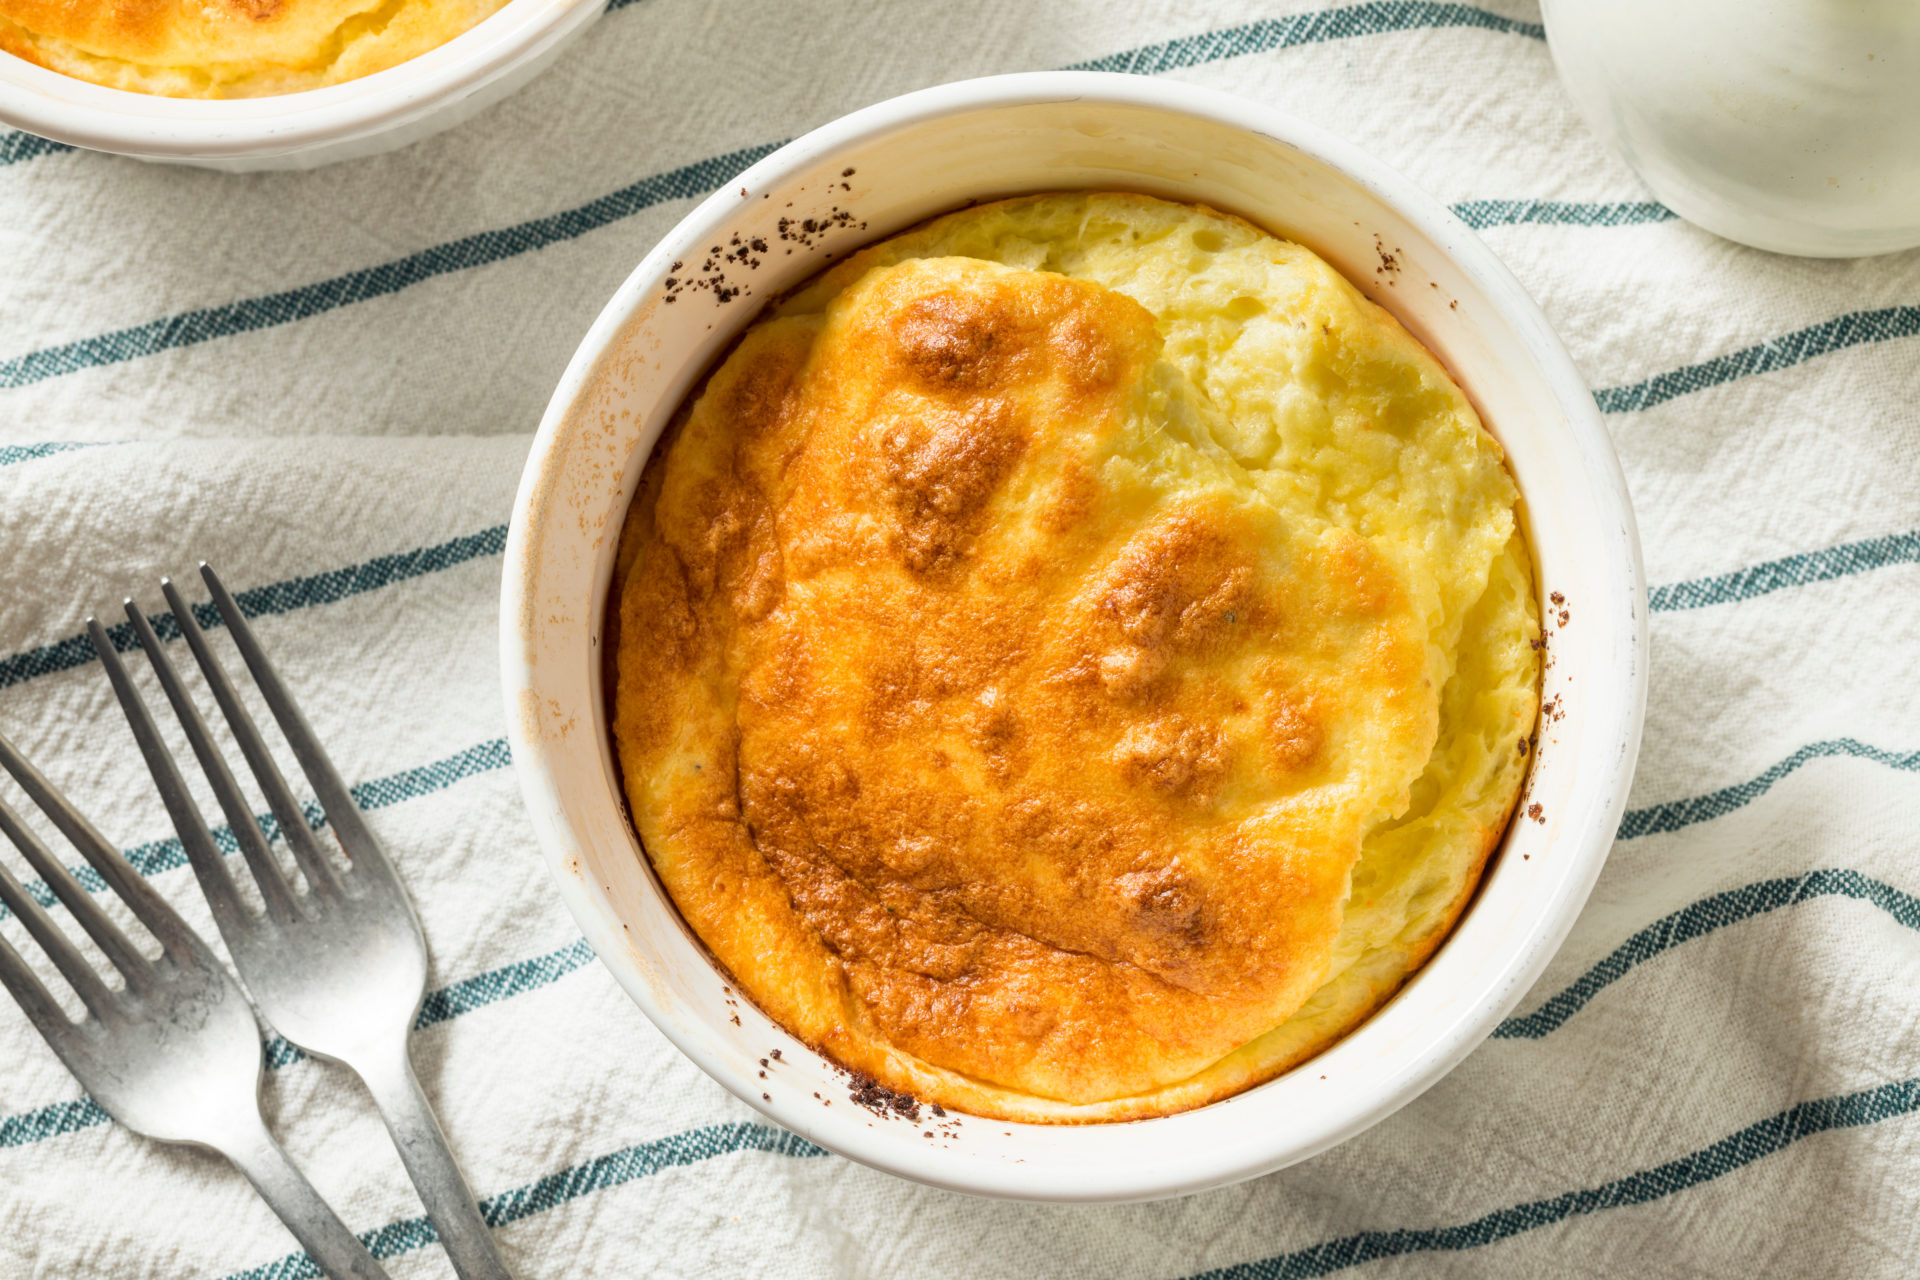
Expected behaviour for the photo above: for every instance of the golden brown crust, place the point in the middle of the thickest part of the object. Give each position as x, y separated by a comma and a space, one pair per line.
1073, 815
1001, 747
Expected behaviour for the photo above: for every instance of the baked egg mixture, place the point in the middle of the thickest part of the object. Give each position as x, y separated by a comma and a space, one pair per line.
1073, 660
229, 48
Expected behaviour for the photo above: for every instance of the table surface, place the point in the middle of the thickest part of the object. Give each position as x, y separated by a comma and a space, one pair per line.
326, 383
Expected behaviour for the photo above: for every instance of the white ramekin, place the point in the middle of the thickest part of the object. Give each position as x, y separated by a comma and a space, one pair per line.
363, 117
890, 166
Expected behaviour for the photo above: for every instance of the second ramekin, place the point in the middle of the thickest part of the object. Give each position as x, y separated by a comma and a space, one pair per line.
363, 117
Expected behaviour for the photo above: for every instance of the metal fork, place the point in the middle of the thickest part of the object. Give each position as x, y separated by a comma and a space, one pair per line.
340, 969
174, 1053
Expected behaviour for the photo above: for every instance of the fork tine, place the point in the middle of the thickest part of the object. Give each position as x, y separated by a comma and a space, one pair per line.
147, 906
321, 877
47, 1017
195, 838
246, 832
66, 957
355, 837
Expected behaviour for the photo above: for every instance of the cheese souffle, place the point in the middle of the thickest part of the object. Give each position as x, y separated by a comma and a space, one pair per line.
229, 48
1073, 660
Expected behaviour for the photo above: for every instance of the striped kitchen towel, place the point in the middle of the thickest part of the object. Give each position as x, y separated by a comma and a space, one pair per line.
326, 383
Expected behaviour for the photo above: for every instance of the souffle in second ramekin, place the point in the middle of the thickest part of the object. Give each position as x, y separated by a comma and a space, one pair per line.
229, 48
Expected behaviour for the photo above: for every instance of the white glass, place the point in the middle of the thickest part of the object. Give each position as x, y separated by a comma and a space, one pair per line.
1790, 125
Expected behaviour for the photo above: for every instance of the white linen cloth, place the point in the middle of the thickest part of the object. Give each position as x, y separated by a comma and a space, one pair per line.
326, 383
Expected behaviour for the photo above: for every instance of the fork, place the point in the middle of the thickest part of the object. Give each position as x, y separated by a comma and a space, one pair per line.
174, 1053
339, 969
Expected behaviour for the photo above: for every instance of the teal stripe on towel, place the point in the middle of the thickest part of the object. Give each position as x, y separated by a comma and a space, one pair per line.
1856, 328
642, 1160
278, 597
1344, 23
1676, 814
12, 453
1736, 1151
189, 328
51, 1121
629, 1164
1481, 214
15, 147
1701, 918
378, 793
500, 984
1789, 571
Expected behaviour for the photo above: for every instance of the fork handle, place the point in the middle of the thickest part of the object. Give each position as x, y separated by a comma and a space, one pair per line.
289, 1194
423, 1149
